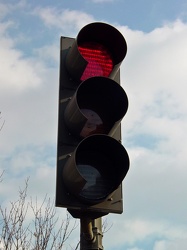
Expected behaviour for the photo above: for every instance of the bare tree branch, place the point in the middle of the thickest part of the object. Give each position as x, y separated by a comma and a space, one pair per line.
105, 226
44, 231
2, 123
41, 233
1, 175
13, 231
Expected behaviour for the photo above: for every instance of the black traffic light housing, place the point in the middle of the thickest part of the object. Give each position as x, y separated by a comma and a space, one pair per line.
91, 162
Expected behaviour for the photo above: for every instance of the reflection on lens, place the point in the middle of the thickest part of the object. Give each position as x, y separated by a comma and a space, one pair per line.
93, 168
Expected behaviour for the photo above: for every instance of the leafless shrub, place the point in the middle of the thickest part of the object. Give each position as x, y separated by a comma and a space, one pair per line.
43, 232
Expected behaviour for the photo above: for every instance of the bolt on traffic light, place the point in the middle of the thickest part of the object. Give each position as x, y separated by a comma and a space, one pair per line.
91, 161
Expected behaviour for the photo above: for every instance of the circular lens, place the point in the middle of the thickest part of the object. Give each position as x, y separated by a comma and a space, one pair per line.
99, 60
93, 168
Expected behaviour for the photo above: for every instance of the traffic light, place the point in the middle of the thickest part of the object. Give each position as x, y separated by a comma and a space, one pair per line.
91, 161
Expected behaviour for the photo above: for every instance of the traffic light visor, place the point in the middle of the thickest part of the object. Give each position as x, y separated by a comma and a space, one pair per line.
96, 168
97, 107
98, 50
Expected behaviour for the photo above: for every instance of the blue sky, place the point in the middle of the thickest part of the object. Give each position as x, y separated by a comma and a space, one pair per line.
154, 76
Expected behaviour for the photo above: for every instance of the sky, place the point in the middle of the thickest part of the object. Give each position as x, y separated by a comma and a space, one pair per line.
154, 76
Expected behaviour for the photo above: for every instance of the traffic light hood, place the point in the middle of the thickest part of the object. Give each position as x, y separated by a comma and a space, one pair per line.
101, 34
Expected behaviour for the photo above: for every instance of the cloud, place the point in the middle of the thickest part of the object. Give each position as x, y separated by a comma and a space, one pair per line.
25, 84
172, 245
145, 234
154, 77
7, 8
16, 72
158, 59
4, 10
68, 21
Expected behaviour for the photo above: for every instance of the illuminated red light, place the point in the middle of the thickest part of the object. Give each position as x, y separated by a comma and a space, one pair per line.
99, 60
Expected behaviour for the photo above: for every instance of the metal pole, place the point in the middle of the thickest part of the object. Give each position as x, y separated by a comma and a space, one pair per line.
91, 234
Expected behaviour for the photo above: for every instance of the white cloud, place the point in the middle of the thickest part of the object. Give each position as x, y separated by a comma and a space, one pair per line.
25, 84
131, 233
4, 10
16, 72
48, 53
154, 77
66, 20
171, 245
23, 75
158, 59
7, 8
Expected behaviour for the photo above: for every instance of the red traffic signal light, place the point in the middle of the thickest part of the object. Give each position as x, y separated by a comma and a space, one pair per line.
98, 50
99, 60
91, 162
